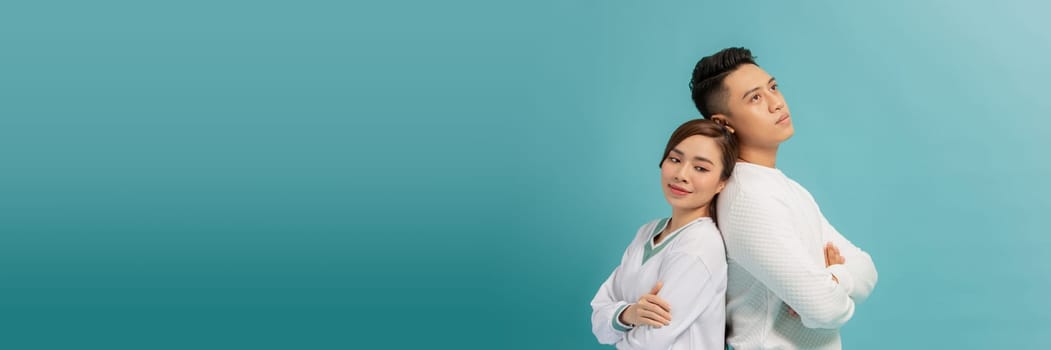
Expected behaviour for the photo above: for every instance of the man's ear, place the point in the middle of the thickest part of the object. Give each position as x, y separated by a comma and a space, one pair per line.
722, 120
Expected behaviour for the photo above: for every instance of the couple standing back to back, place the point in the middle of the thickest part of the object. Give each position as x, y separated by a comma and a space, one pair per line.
746, 260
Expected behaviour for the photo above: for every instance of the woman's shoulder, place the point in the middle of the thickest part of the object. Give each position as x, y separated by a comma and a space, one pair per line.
649, 229
702, 239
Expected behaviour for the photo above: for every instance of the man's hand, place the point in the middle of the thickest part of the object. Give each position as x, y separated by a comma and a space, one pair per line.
832, 257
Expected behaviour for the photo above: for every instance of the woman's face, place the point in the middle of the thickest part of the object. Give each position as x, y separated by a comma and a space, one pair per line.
690, 173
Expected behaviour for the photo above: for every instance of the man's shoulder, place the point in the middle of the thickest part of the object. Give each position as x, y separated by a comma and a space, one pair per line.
749, 182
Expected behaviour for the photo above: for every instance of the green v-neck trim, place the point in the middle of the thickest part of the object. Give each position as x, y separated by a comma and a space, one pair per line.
649, 250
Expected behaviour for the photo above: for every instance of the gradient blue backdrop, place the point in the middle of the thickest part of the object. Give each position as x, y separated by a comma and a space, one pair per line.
464, 174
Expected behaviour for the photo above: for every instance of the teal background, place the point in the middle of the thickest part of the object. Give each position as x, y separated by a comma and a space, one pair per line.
464, 174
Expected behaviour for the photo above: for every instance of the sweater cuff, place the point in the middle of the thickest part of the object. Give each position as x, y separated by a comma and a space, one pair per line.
617, 325
846, 280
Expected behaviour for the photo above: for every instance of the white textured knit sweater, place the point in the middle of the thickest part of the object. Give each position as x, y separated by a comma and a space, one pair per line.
775, 236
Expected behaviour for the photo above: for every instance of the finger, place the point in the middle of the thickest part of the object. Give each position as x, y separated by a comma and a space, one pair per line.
657, 288
833, 256
653, 316
830, 253
649, 322
656, 300
657, 310
663, 320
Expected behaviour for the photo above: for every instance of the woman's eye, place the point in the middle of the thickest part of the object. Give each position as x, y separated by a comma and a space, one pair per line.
701, 169
755, 98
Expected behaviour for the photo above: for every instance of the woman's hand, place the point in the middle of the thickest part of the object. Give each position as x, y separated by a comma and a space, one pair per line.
650, 310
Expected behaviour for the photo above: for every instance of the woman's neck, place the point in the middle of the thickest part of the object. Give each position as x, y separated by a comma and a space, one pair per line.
679, 218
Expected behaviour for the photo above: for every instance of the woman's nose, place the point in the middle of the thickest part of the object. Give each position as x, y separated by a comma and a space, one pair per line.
681, 175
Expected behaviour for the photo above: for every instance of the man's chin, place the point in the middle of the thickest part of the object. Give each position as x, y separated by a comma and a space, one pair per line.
791, 131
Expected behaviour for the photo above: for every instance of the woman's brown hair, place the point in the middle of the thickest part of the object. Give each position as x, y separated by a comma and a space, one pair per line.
723, 137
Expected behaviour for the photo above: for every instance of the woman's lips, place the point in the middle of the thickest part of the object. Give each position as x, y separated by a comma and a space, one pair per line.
784, 118
678, 191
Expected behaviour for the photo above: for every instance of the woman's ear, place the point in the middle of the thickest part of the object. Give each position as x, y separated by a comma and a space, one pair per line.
722, 185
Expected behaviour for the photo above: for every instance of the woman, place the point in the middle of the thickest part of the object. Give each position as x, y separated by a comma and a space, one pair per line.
682, 257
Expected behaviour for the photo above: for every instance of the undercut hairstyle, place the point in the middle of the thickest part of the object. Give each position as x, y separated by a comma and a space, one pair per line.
707, 90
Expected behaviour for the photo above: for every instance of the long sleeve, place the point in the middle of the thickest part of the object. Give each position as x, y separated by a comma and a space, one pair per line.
759, 234
605, 308
689, 289
859, 269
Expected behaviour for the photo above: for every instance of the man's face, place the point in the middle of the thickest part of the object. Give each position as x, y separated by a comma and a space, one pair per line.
755, 108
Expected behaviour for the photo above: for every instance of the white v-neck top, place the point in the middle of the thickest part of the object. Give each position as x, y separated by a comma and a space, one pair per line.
691, 262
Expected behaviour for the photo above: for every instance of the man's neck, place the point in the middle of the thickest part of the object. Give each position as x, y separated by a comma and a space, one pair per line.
765, 156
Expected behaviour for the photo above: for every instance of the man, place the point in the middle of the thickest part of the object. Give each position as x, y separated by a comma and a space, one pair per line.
793, 280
